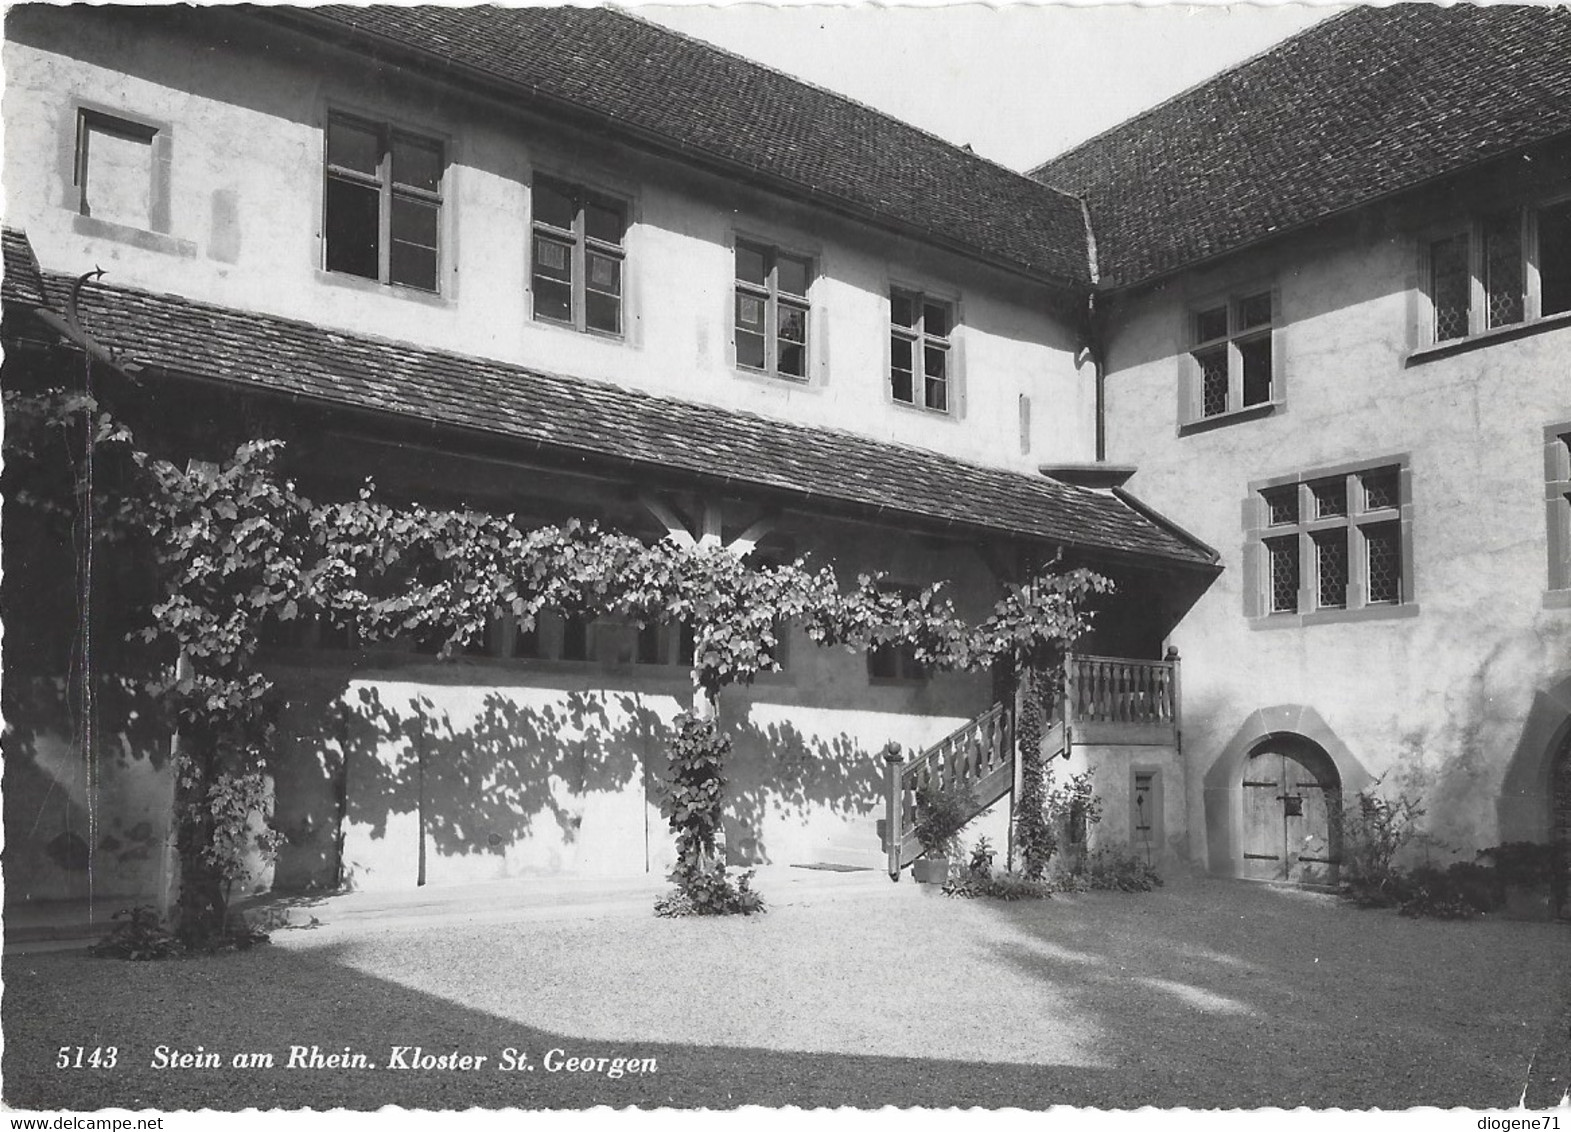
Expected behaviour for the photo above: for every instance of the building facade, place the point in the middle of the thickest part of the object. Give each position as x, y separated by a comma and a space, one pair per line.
1298, 387
1341, 359
463, 273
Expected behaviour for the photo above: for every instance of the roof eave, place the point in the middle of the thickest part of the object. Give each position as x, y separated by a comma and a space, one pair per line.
643, 470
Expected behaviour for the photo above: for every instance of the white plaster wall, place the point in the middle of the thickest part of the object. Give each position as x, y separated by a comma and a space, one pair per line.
532, 768
1435, 702
245, 106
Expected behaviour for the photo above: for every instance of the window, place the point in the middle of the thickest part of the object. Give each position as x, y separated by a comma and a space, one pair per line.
1231, 357
119, 171
383, 203
771, 310
1501, 269
919, 360
895, 662
1330, 544
576, 279
1557, 503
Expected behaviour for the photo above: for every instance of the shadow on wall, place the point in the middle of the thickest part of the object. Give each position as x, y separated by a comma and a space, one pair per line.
472, 783
77, 826
776, 770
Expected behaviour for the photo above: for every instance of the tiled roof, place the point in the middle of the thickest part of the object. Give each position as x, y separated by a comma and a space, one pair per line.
23, 281
633, 79
576, 418
1361, 106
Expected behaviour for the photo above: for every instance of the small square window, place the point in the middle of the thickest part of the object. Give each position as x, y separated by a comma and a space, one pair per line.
116, 170
1330, 497
1380, 489
1281, 505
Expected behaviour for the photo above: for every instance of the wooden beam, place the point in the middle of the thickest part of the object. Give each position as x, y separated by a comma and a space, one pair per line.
746, 542
666, 516
712, 524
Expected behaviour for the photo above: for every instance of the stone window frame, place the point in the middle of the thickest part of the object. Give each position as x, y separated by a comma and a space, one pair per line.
1201, 338
74, 158
387, 130
581, 245
1557, 511
1309, 531
773, 298
1473, 234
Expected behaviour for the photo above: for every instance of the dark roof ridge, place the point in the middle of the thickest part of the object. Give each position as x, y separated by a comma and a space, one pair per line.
1216, 77
839, 96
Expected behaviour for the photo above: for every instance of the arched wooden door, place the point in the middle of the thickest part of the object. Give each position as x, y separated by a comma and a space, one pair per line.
1560, 823
1292, 814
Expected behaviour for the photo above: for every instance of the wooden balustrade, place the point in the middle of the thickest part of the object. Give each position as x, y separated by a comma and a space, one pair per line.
977, 756
1113, 699
1105, 699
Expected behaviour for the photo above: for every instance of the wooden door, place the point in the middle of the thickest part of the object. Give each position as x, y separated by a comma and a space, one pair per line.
1290, 811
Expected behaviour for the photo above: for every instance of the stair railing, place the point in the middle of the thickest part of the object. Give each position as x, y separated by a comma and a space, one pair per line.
977, 756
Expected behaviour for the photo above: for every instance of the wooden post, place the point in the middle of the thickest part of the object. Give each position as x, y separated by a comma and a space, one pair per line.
894, 805
1178, 733
1070, 691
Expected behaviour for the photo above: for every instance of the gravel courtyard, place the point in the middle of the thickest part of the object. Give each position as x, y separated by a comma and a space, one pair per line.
1203, 994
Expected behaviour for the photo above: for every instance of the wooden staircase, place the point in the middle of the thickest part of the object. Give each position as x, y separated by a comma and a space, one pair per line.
1104, 700
978, 756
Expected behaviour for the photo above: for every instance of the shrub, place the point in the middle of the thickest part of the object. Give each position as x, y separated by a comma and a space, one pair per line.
982, 854
1074, 808
139, 935
710, 893
941, 813
980, 880
1001, 886
1442, 895
1374, 832
1114, 869
1525, 863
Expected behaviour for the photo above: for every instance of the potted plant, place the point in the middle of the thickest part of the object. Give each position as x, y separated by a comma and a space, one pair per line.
941, 813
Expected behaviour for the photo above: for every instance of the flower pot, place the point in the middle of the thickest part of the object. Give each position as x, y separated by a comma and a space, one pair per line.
930, 870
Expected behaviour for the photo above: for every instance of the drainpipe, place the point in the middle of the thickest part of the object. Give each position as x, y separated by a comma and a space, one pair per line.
1091, 336
1095, 348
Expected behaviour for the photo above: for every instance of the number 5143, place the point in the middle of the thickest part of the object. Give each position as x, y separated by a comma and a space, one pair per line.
80, 1057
